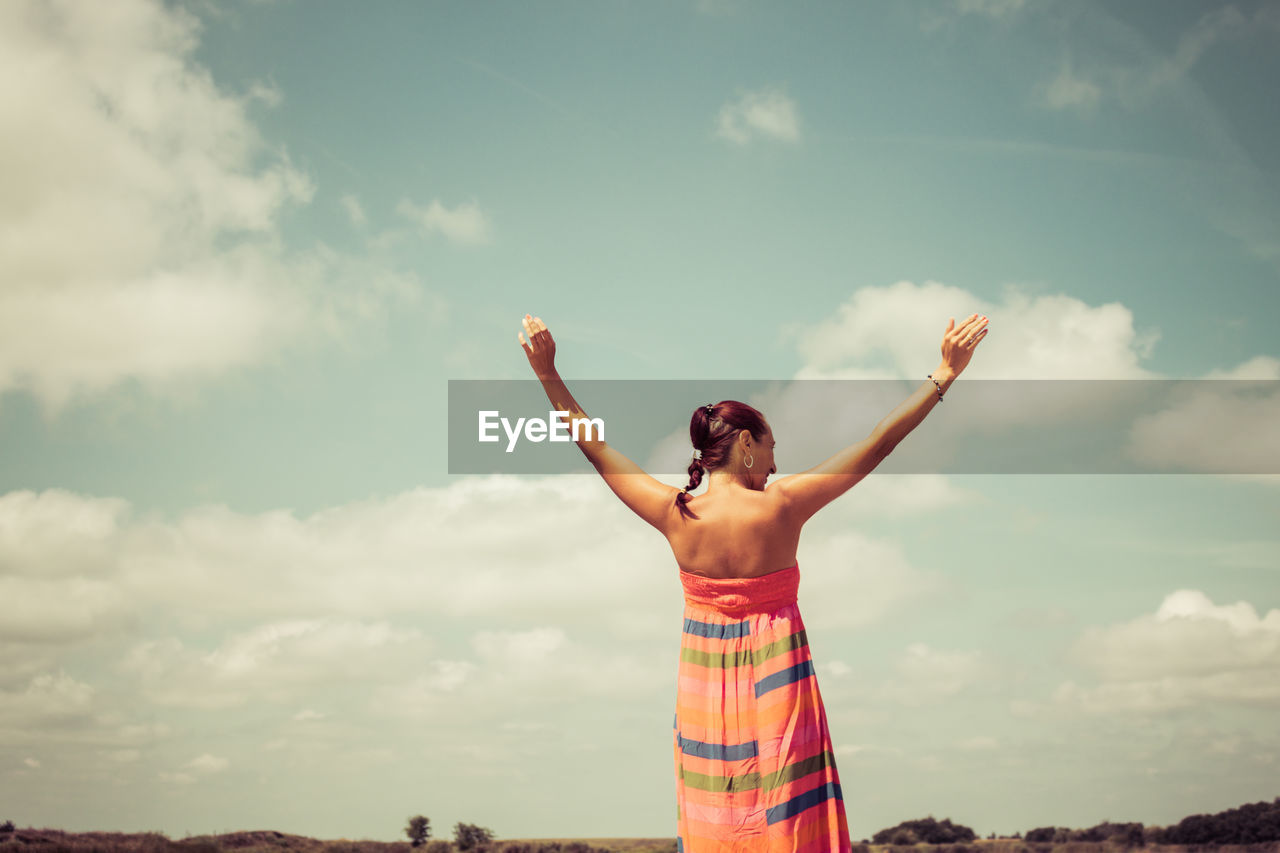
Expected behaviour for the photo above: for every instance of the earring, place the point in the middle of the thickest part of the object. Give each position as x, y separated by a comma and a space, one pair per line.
750, 460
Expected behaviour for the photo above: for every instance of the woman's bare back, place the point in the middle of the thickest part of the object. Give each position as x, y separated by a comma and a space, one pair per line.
739, 533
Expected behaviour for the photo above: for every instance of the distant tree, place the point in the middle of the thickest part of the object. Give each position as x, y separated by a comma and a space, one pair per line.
1130, 835
1255, 823
418, 830
468, 836
928, 830
7, 826
1041, 834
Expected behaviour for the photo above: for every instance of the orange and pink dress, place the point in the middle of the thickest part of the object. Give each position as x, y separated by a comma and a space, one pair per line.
755, 770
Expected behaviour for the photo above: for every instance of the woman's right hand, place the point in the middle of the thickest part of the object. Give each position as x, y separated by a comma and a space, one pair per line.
958, 344
541, 347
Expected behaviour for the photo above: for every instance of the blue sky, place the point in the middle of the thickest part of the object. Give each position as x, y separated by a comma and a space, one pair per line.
246, 245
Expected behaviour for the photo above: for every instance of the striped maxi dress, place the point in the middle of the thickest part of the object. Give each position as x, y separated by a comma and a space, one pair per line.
755, 769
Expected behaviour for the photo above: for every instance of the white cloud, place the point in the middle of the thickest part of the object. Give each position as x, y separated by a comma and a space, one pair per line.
31, 762
1215, 26
1212, 429
355, 212
835, 668
850, 580
521, 649
1135, 84
56, 558
936, 16
546, 667
882, 332
48, 697
767, 113
219, 609
1187, 635
548, 656
277, 662
207, 763
138, 227
1170, 693
1189, 652
1258, 367
345, 585
360, 561
60, 609
1070, 90
414, 696
990, 8
465, 224
924, 675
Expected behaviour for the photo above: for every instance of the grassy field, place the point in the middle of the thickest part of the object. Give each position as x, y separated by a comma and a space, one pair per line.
616, 845
267, 841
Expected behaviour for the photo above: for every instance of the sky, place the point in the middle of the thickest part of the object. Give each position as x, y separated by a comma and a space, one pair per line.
245, 245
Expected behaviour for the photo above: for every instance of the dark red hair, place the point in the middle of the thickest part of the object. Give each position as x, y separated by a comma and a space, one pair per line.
713, 429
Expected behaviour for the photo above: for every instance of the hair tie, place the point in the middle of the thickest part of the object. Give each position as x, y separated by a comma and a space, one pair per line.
697, 454
709, 408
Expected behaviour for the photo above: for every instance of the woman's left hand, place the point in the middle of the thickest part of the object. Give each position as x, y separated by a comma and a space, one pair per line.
541, 348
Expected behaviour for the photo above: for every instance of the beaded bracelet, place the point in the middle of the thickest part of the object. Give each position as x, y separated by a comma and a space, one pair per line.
936, 385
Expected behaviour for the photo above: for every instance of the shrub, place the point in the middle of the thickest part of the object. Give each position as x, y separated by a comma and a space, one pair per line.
418, 830
468, 836
342, 847
1133, 835
927, 830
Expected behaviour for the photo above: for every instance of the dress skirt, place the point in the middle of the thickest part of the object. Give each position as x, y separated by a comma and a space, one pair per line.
755, 770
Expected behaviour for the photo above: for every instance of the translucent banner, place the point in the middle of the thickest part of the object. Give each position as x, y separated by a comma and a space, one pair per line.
981, 427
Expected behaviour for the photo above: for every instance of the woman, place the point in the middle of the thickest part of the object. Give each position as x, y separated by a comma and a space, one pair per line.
755, 769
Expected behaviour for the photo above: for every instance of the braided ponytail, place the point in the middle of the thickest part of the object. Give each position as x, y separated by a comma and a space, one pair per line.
712, 430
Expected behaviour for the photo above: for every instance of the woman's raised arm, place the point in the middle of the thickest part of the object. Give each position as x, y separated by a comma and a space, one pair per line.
647, 497
805, 493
